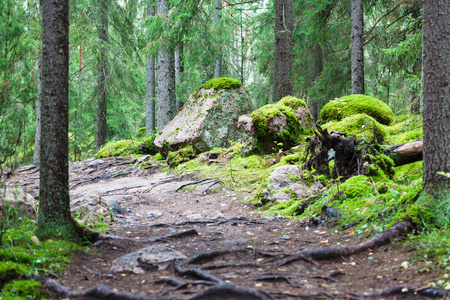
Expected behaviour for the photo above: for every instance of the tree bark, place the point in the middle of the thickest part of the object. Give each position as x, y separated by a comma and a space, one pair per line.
357, 56
54, 204
102, 87
178, 54
37, 137
150, 95
166, 77
282, 85
436, 97
218, 16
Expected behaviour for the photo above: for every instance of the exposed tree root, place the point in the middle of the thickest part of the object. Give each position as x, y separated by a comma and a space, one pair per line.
220, 291
190, 232
194, 183
404, 290
398, 230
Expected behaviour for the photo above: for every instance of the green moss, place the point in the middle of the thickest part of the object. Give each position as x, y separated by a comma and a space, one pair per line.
357, 104
270, 141
147, 146
360, 125
25, 290
10, 270
158, 156
141, 132
406, 137
222, 83
117, 148
183, 155
380, 166
356, 186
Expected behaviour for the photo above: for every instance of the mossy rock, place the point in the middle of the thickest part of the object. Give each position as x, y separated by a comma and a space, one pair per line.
357, 104
281, 125
181, 156
117, 148
360, 125
356, 186
222, 83
147, 147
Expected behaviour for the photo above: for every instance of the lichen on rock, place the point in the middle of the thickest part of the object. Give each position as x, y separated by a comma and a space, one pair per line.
357, 104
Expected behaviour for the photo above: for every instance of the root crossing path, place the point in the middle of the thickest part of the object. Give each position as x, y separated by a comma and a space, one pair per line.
204, 241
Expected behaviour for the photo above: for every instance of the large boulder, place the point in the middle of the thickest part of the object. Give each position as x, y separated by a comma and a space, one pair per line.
278, 126
357, 104
208, 119
19, 200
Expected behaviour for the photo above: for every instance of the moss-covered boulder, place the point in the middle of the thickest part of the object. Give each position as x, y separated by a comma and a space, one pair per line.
183, 155
362, 126
357, 104
278, 126
117, 148
208, 118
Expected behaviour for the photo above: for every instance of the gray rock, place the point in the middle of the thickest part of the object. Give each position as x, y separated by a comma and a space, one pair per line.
90, 209
154, 257
207, 120
19, 199
279, 183
115, 207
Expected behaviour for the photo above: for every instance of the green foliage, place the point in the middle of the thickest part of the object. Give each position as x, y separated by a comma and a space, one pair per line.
356, 186
357, 104
147, 147
222, 83
25, 290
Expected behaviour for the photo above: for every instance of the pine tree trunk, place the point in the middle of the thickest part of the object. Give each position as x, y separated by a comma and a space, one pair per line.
166, 77
37, 137
283, 49
178, 52
102, 88
436, 98
150, 95
357, 47
218, 68
54, 207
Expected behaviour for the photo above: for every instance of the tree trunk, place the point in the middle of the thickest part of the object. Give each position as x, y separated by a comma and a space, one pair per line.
357, 47
217, 15
37, 137
150, 95
178, 53
102, 88
436, 98
282, 85
54, 204
166, 77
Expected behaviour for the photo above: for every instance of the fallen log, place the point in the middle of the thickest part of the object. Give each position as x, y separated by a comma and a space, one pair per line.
406, 153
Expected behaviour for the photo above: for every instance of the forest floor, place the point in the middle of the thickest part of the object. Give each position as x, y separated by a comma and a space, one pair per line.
256, 247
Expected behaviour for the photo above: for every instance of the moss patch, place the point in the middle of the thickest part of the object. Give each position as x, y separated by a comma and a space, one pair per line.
183, 155
356, 186
117, 148
363, 126
357, 104
270, 136
222, 83
25, 290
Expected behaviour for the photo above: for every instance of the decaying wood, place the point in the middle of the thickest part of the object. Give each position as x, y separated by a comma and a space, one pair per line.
406, 153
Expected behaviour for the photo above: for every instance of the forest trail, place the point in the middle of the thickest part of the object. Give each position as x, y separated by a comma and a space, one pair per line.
195, 217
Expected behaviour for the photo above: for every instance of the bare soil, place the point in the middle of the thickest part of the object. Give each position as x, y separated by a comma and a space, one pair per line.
224, 221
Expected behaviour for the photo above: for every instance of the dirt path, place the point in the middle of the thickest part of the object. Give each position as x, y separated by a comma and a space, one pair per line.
255, 244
